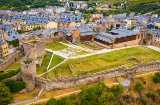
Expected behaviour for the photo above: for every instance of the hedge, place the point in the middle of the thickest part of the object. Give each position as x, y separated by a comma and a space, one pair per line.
9, 74
15, 86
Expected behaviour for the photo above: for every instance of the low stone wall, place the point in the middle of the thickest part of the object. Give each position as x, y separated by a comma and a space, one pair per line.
62, 83
10, 60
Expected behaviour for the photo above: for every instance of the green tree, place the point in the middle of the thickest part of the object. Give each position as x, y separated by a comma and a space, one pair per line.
118, 88
111, 27
15, 86
138, 86
52, 101
5, 95
106, 97
156, 78
15, 42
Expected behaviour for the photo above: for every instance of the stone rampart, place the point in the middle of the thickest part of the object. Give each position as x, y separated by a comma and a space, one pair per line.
62, 83
10, 60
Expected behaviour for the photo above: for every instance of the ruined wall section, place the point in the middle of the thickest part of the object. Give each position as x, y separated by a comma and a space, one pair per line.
62, 83
40, 49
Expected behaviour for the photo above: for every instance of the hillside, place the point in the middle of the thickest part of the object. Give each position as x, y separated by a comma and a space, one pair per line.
21, 5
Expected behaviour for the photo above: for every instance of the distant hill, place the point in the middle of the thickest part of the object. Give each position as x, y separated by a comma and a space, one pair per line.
21, 5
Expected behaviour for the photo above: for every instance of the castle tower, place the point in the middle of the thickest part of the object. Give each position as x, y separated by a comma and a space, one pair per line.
32, 50
38, 45
28, 70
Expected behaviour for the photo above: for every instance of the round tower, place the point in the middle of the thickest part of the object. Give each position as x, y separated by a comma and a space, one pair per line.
28, 70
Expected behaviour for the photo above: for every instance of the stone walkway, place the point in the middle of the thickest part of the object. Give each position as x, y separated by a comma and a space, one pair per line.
154, 48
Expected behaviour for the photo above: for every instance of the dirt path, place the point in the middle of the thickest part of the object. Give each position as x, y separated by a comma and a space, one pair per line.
78, 91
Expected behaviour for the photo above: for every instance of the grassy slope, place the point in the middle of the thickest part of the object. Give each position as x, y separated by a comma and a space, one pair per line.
105, 61
141, 1
56, 46
56, 59
16, 65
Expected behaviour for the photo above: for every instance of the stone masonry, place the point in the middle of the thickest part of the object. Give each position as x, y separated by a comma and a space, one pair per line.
62, 83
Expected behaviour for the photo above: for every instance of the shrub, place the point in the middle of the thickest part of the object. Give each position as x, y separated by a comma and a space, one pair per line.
156, 78
144, 102
52, 101
158, 91
8, 74
106, 97
15, 86
152, 96
89, 94
5, 95
138, 86
127, 98
118, 88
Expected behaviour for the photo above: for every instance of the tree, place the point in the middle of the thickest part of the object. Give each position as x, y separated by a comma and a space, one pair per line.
52, 101
111, 27
15, 86
5, 95
118, 88
156, 78
15, 42
138, 86
106, 97
156, 27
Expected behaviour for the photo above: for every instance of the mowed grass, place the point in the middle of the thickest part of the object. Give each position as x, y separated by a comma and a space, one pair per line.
56, 46
56, 60
105, 61
16, 65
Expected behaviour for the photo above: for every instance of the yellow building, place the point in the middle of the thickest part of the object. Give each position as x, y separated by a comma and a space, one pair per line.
29, 27
66, 24
4, 48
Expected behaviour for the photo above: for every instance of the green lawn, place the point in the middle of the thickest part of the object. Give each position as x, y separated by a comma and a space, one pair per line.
101, 62
56, 46
16, 65
56, 60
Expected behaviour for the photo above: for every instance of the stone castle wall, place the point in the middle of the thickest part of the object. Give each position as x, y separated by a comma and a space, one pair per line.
10, 60
62, 83
40, 49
